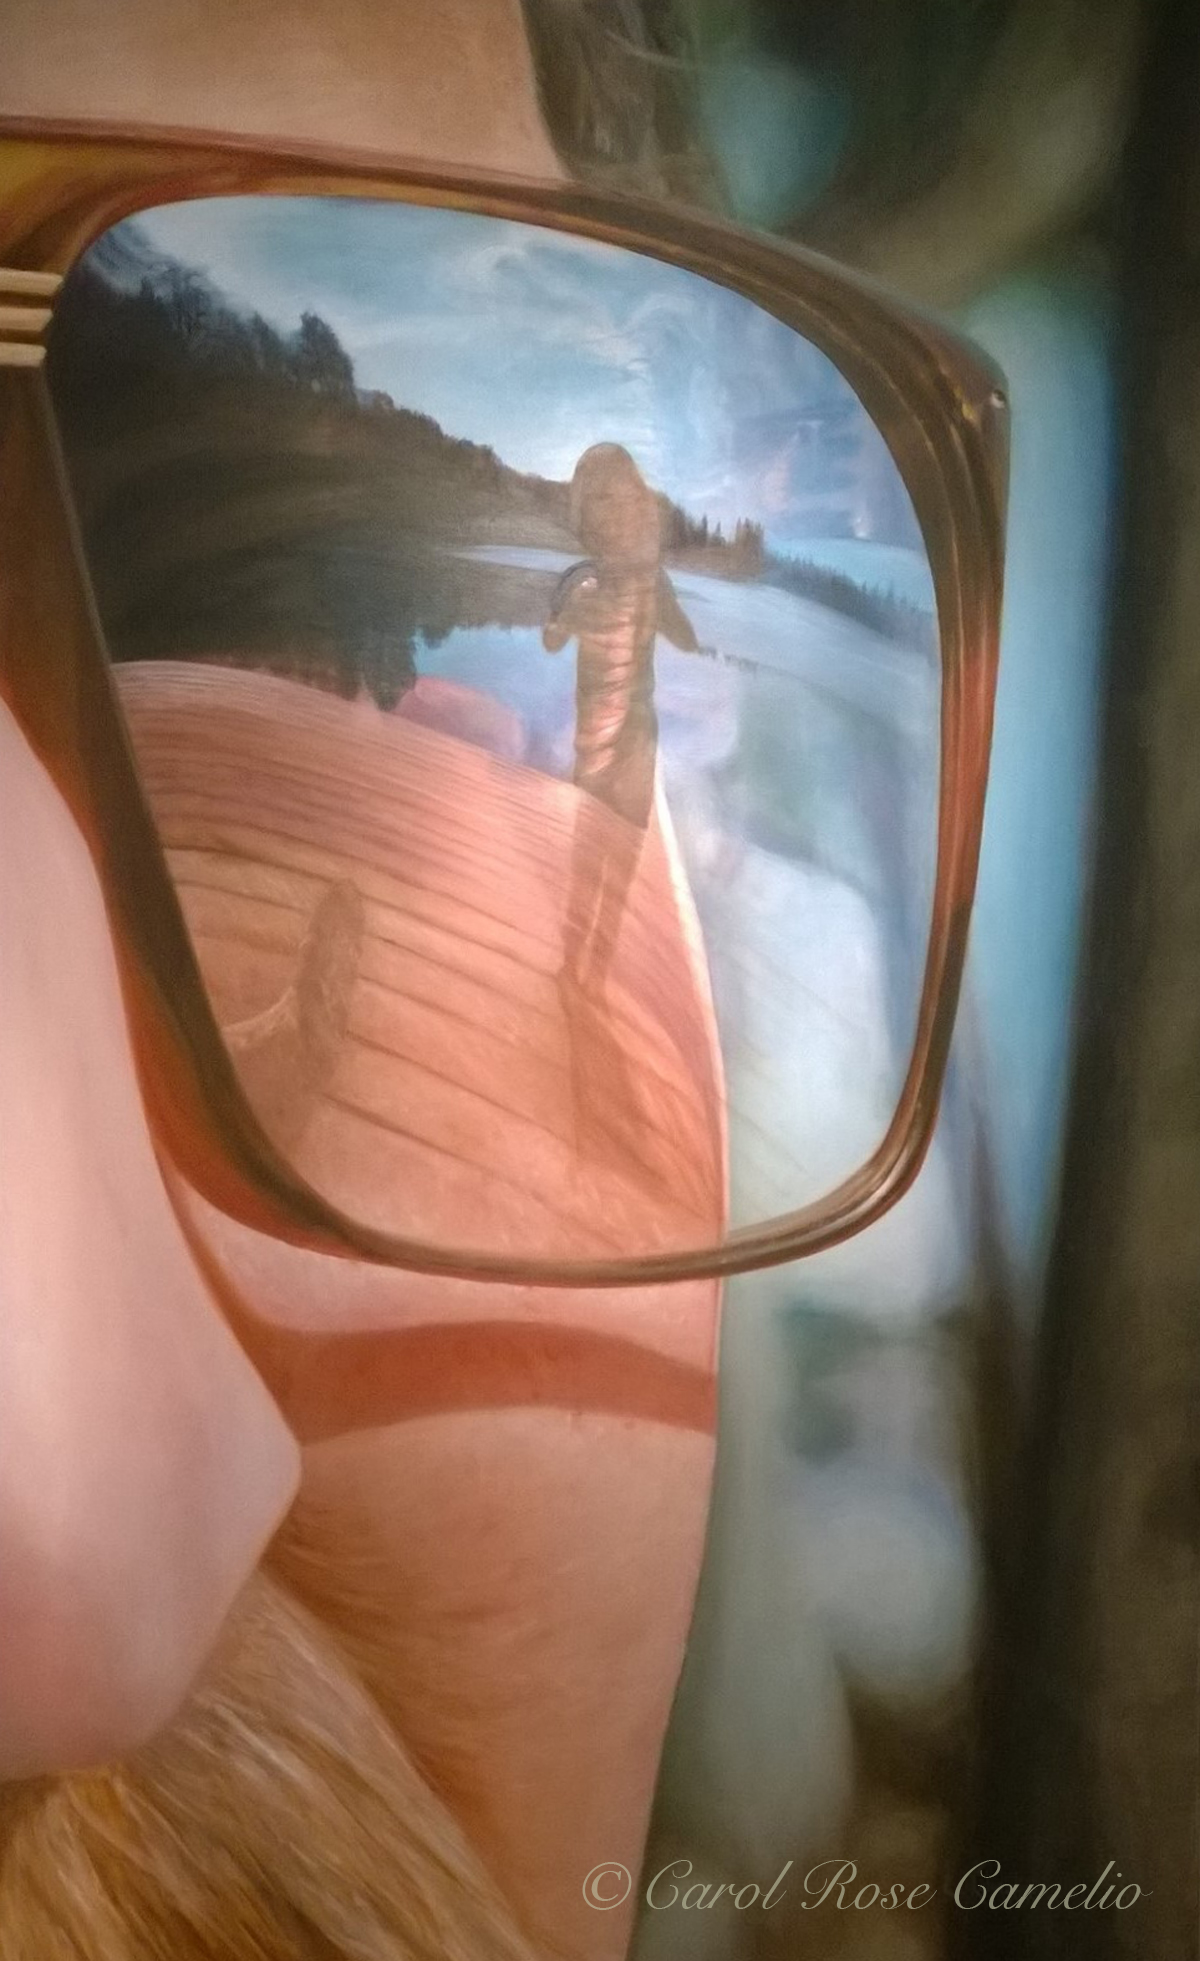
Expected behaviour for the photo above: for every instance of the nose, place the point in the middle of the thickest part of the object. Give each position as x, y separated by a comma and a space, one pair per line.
142, 1464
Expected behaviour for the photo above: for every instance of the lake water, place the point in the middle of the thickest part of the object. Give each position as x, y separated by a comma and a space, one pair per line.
799, 757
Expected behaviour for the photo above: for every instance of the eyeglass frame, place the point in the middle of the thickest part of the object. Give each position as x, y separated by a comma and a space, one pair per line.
938, 402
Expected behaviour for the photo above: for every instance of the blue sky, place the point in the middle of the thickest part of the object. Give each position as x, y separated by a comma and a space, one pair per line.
540, 345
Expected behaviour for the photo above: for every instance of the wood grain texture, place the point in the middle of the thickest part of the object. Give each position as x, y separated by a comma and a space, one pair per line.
463, 1091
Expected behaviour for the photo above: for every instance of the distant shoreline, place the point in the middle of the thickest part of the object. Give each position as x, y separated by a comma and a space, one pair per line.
879, 608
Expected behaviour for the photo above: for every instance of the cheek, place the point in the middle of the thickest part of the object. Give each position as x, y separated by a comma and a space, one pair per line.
516, 1588
346, 1347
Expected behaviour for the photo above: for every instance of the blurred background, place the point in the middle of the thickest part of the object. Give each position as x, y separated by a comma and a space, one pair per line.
914, 1426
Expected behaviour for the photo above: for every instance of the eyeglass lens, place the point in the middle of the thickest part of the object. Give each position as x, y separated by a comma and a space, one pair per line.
530, 655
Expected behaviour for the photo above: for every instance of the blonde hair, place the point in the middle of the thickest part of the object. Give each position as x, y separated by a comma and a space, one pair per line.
279, 1818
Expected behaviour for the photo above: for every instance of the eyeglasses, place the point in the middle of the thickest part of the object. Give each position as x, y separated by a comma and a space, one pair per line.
523, 664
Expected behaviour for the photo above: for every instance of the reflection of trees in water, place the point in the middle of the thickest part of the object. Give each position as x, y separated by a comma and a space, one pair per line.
254, 537
242, 499
342, 613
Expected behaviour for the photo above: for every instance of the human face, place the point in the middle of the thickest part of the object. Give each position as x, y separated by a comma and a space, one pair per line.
529, 1471
353, 1360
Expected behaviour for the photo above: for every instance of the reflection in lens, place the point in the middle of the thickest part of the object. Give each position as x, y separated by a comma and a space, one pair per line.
530, 657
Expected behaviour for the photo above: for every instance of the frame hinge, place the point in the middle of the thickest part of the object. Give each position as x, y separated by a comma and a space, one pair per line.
24, 315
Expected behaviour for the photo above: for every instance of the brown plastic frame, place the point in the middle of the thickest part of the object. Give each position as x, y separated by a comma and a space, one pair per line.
940, 406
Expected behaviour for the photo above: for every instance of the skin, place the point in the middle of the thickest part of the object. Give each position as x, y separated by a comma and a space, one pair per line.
534, 1528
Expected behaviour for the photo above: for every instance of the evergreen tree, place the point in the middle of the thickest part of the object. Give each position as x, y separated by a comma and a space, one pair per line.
319, 360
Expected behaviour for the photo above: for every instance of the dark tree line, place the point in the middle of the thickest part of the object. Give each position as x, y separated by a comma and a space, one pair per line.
178, 332
880, 610
242, 499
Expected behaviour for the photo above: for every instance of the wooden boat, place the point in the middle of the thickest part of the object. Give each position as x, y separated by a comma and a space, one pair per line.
379, 908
